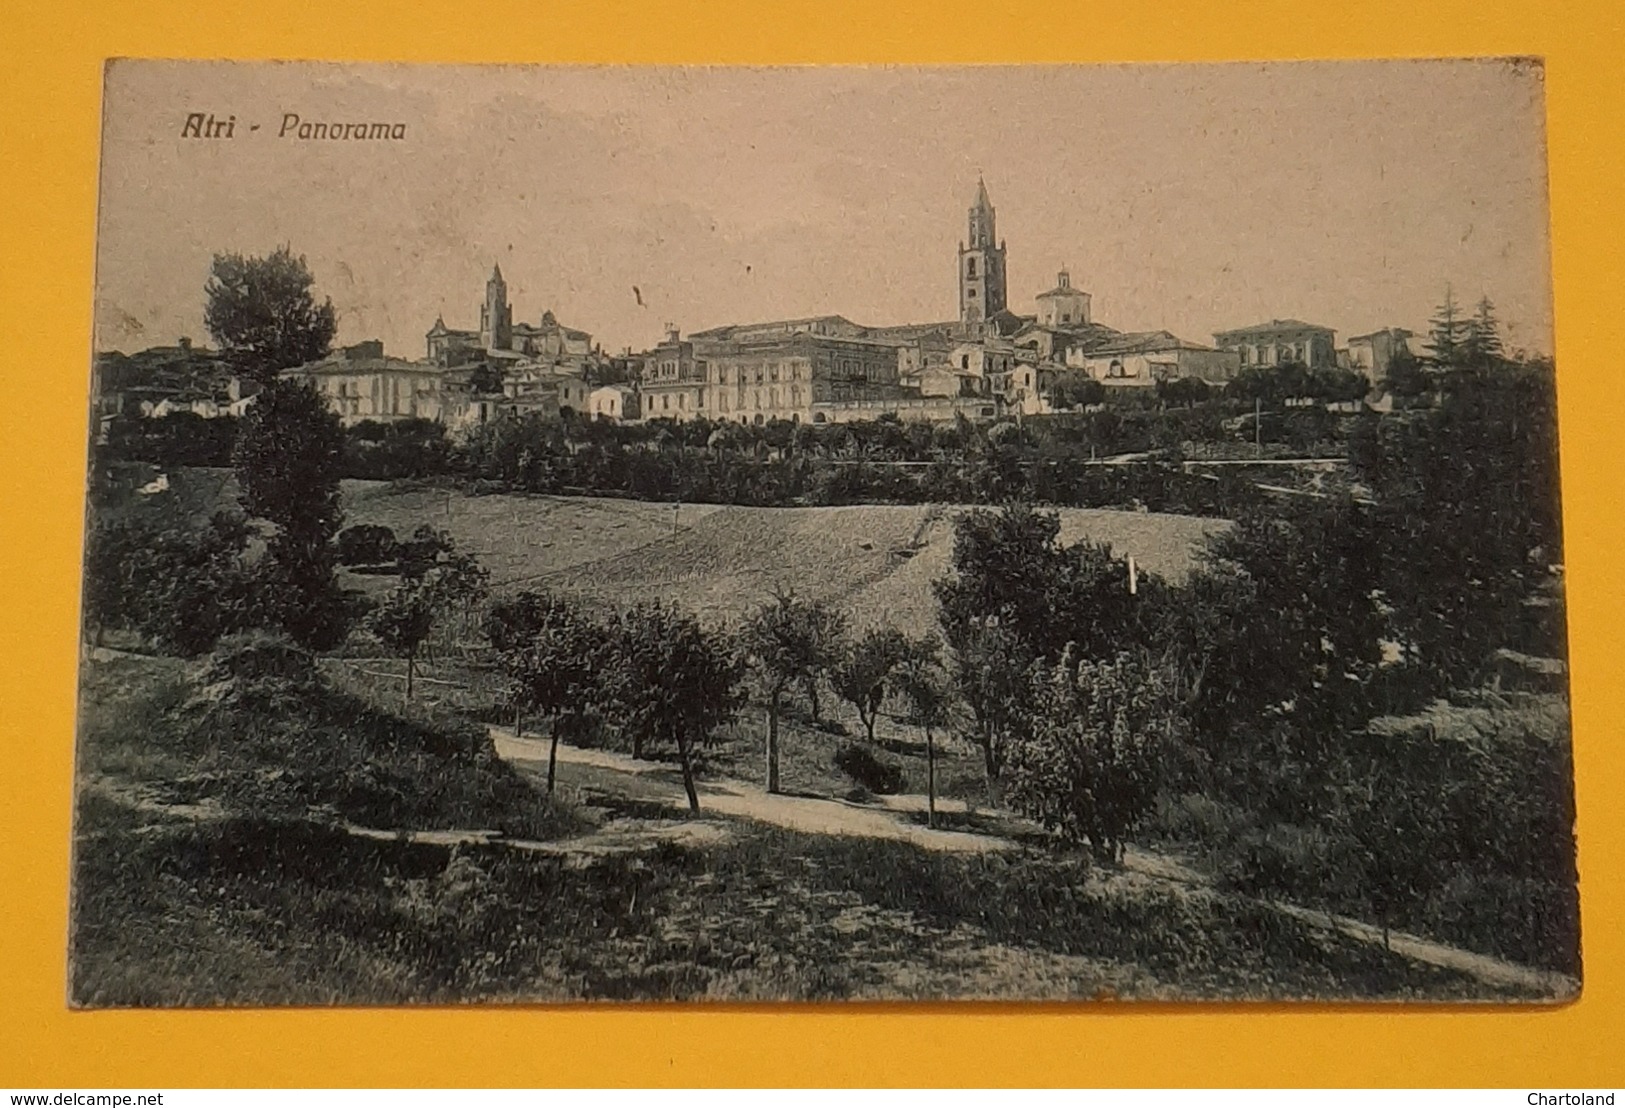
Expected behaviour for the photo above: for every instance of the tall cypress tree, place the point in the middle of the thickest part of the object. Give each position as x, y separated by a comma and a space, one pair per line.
1447, 331
1481, 343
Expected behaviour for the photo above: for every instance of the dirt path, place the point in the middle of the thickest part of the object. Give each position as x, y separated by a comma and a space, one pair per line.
625, 837
737, 798
839, 817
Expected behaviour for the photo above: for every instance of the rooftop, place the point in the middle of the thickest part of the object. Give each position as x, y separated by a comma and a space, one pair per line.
1276, 326
339, 365
1143, 342
728, 331
1398, 332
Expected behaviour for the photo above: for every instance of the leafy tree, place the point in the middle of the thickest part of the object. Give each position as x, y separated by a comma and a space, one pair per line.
1285, 616
433, 555
989, 667
288, 458
1186, 391
923, 686
403, 448
1337, 385
1011, 571
407, 616
789, 642
403, 622
1018, 596
1087, 763
674, 681
1271, 384
178, 439
1406, 377
1077, 390
262, 311
511, 625
860, 677
1467, 515
486, 379
180, 586
559, 668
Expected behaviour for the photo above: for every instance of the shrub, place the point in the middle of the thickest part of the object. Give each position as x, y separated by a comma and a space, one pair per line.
366, 544
879, 775
1284, 859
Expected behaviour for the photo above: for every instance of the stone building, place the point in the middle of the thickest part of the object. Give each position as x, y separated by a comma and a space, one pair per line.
761, 372
362, 383
783, 378
1374, 355
673, 385
1144, 358
1063, 305
1281, 342
617, 402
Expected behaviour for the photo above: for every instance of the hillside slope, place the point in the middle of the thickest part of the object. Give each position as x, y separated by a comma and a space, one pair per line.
873, 561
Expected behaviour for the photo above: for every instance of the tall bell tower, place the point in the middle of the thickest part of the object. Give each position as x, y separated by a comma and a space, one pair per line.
496, 314
981, 264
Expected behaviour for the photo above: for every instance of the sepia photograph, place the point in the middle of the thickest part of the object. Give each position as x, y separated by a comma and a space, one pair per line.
721, 534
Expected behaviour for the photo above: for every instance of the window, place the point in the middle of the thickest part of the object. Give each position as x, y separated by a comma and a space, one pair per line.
970, 293
665, 402
970, 267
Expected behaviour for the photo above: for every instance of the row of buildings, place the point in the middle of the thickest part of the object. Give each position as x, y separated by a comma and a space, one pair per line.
986, 362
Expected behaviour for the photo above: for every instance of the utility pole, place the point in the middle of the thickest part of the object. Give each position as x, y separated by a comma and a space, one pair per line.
676, 510
1133, 577
1258, 426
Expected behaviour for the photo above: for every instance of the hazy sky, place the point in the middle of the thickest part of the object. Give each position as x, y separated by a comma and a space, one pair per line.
1191, 198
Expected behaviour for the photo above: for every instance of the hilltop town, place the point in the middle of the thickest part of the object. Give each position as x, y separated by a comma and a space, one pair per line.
1004, 656
988, 362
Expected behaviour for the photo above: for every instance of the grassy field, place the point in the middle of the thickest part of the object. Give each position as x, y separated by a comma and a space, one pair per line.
871, 561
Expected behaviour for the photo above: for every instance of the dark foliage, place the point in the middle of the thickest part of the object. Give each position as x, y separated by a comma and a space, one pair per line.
171, 441
179, 586
288, 459
263, 314
881, 776
366, 544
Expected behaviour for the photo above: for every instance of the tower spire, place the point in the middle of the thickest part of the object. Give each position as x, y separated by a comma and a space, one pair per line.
981, 263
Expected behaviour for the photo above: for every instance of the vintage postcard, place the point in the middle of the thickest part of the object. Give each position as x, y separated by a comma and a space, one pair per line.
694, 534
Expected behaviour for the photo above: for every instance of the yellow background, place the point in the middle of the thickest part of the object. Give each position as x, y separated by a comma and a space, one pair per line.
49, 122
